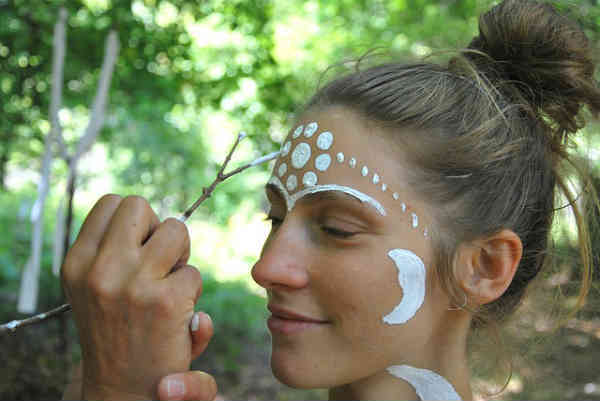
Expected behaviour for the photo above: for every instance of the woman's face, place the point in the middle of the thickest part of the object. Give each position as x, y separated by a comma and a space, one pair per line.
347, 265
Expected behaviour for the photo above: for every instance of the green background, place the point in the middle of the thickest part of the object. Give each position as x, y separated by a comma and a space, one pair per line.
190, 75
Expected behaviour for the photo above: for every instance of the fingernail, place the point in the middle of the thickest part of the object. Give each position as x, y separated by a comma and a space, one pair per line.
175, 388
195, 323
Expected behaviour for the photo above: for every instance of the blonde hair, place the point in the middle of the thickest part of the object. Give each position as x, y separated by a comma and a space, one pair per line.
489, 133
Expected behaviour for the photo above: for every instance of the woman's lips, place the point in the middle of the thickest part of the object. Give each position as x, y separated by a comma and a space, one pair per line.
287, 322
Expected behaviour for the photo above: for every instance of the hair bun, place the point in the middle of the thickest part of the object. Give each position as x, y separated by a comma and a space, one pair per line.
535, 54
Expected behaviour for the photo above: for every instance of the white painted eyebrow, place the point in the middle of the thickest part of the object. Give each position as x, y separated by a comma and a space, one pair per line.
291, 200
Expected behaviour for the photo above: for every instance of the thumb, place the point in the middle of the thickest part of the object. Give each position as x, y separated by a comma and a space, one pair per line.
189, 386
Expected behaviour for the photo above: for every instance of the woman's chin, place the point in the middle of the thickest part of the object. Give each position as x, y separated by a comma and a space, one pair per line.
296, 374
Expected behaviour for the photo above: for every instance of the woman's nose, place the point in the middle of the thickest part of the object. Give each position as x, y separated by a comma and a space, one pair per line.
284, 258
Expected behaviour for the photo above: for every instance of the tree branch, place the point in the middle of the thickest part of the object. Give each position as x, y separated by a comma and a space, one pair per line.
111, 51
206, 193
58, 64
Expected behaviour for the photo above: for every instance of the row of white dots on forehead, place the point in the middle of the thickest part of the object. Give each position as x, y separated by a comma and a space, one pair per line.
375, 179
302, 153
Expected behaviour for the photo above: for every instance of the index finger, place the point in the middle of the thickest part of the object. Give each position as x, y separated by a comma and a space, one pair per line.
97, 221
85, 248
131, 224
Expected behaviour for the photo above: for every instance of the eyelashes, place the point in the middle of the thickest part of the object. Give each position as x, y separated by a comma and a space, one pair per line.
337, 232
327, 229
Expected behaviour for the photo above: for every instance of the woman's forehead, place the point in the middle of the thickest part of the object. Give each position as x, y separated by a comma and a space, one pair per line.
335, 150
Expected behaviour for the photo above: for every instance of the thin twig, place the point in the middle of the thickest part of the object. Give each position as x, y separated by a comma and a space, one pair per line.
17, 324
206, 193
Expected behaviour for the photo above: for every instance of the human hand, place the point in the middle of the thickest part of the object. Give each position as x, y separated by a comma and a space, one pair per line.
192, 385
133, 297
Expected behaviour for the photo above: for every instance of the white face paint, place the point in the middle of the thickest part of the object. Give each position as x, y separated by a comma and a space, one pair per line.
297, 131
411, 277
310, 129
309, 179
292, 182
325, 140
428, 385
291, 200
415, 220
322, 162
301, 155
305, 145
282, 169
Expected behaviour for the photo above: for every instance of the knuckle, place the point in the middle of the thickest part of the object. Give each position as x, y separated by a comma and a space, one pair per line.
165, 304
101, 289
138, 297
76, 261
109, 199
176, 228
188, 281
196, 278
137, 202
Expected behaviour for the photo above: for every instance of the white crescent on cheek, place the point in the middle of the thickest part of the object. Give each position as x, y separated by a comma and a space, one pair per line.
411, 276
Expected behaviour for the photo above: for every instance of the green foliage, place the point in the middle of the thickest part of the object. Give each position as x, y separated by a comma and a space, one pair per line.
230, 303
190, 75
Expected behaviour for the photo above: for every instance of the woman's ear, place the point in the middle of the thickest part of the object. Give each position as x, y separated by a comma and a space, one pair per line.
485, 267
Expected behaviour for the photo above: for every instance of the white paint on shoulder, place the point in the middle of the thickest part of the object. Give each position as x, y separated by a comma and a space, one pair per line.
428, 385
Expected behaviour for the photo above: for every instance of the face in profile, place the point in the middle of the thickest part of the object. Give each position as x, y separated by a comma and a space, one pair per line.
347, 265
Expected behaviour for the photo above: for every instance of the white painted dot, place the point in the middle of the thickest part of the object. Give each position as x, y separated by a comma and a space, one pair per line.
425, 233
292, 182
364, 171
325, 140
282, 169
309, 179
352, 162
383, 187
310, 129
300, 155
322, 162
340, 157
375, 178
285, 149
395, 195
403, 207
298, 131
415, 220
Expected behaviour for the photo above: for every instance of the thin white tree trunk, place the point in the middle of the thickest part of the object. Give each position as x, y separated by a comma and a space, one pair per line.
92, 130
28, 292
111, 51
30, 280
59, 236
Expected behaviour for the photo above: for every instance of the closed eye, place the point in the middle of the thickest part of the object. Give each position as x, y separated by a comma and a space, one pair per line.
337, 232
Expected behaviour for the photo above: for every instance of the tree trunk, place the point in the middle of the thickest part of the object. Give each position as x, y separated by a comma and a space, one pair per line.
64, 344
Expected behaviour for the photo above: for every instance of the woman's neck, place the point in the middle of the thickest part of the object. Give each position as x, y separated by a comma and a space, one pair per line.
442, 366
